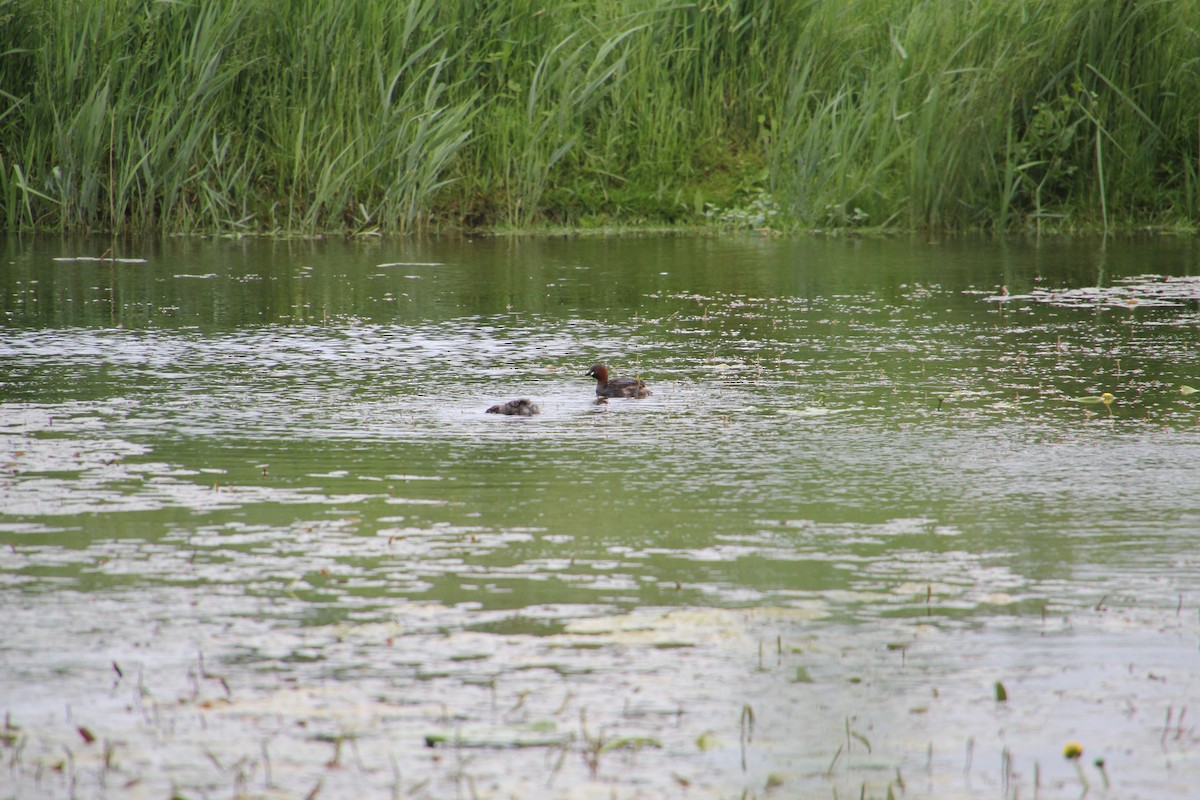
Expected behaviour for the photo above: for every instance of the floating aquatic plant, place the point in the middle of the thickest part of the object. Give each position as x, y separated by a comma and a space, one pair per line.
1106, 398
1142, 291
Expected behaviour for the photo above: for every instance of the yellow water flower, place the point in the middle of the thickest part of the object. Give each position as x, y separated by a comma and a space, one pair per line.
1072, 750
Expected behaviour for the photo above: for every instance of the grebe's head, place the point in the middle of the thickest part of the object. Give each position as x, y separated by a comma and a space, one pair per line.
599, 372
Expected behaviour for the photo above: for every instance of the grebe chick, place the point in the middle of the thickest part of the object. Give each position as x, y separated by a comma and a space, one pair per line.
616, 387
521, 407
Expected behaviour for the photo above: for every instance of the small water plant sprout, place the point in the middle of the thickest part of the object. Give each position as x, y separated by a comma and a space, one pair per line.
1073, 752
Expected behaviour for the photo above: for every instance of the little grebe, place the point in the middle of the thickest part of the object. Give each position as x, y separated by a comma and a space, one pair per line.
521, 407
616, 387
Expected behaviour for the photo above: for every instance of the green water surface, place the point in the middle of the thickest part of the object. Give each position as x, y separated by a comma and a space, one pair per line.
268, 462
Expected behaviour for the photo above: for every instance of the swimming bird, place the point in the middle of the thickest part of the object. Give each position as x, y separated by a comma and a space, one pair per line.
521, 407
616, 387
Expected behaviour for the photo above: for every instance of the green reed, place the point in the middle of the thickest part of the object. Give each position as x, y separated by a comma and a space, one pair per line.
995, 114
307, 116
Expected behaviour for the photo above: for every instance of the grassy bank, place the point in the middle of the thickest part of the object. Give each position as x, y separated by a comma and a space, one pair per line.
399, 115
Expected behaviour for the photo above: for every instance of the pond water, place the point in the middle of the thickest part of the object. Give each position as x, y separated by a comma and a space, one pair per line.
874, 534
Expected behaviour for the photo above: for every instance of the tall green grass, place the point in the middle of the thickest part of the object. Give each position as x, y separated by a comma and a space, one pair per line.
305, 116
994, 114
